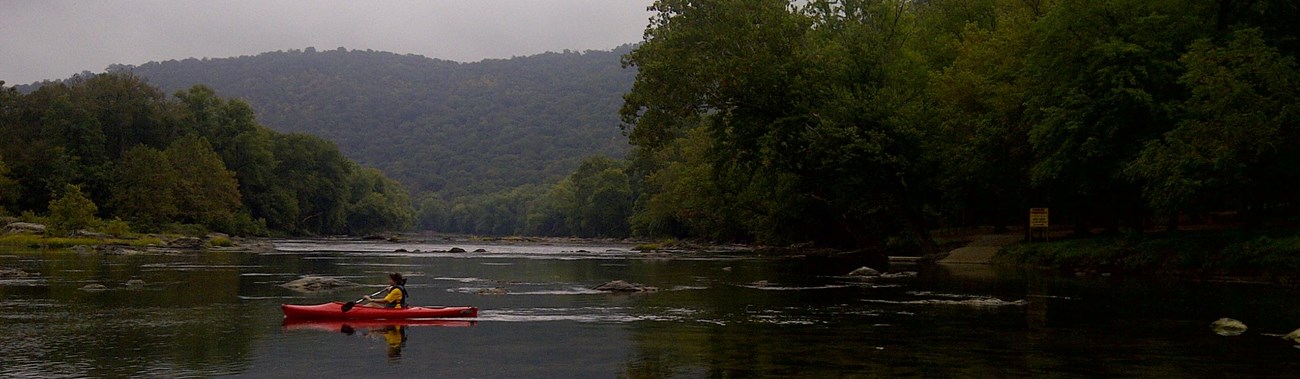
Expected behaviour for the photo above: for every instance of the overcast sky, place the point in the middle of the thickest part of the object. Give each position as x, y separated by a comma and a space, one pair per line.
41, 39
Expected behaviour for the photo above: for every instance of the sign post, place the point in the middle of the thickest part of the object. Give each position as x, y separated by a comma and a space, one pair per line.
1038, 221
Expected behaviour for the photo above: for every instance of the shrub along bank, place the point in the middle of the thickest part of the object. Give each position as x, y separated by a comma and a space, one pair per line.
1271, 255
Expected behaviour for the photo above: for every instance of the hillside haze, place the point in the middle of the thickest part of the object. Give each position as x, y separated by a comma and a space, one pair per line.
436, 126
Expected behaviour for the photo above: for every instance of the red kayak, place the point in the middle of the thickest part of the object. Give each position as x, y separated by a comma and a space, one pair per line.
334, 310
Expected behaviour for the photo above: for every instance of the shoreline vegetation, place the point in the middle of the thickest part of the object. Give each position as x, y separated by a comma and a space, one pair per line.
1230, 255
1225, 255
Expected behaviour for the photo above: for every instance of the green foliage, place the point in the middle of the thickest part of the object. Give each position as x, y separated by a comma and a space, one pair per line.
25, 240
36, 241
804, 106
1229, 150
860, 123
1191, 253
220, 241
204, 192
143, 185
442, 127
602, 199
162, 164
71, 211
8, 189
377, 204
116, 228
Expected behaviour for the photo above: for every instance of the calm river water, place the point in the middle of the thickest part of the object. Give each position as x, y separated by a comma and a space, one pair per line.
716, 315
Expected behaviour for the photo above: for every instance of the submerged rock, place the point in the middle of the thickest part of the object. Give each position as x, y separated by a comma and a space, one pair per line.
480, 250
317, 283
135, 284
14, 273
93, 287
456, 250
118, 250
866, 272
1228, 327
899, 275
492, 291
622, 286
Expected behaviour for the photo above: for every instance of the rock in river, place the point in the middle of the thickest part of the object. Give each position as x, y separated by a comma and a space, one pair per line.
6, 273
622, 286
492, 291
317, 283
24, 227
1294, 336
866, 272
1228, 327
94, 287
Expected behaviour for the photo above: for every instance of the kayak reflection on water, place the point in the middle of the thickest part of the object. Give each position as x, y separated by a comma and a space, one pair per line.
393, 332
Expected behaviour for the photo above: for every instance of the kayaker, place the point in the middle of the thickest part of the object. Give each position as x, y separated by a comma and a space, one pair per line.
396, 297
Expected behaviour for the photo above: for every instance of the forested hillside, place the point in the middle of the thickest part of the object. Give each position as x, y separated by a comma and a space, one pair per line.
437, 126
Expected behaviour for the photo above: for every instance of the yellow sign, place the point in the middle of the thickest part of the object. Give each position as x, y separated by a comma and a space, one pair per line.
1038, 217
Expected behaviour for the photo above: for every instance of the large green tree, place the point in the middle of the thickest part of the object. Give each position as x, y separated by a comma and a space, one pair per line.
72, 211
803, 106
203, 191
143, 188
1232, 150
1104, 79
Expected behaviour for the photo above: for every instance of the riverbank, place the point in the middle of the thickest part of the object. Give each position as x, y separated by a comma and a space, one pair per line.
1231, 255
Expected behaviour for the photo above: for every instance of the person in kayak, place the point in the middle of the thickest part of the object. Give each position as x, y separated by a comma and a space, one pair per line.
396, 297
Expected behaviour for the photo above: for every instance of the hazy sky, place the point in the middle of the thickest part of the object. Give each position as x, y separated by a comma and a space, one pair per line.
42, 39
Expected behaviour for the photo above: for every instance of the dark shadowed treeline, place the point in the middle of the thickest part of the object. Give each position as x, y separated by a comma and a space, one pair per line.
111, 147
867, 122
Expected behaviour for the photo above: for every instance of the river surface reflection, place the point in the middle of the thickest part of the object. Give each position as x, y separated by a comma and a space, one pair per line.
730, 314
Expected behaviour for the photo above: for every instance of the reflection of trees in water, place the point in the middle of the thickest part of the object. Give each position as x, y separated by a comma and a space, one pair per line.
181, 320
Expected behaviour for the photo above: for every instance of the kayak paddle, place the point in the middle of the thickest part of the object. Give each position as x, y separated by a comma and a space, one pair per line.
348, 305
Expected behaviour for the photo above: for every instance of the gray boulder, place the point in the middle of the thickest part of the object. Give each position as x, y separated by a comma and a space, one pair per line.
622, 286
118, 250
186, 243
135, 284
317, 283
1228, 327
25, 227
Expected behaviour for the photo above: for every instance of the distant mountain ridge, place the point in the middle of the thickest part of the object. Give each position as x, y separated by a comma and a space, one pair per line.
435, 125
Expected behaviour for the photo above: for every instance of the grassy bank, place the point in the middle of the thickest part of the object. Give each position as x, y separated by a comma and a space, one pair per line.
1265, 255
46, 242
